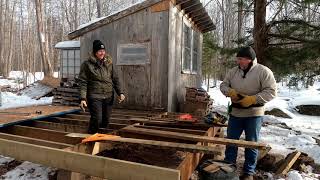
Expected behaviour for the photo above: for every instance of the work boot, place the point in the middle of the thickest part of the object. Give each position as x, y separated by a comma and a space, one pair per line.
246, 177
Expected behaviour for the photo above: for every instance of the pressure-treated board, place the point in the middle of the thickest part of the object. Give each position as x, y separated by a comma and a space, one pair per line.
84, 163
195, 138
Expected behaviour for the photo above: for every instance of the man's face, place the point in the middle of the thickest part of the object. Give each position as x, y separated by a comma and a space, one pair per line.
243, 62
100, 54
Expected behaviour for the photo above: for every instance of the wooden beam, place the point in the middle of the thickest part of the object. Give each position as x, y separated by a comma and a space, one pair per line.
192, 160
190, 131
188, 4
196, 9
87, 117
39, 142
112, 124
161, 144
195, 138
289, 161
83, 163
161, 6
69, 121
44, 134
59, 126
179, 2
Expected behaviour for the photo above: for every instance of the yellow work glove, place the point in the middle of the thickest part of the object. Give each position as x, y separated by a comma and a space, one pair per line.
233, 95
247, 101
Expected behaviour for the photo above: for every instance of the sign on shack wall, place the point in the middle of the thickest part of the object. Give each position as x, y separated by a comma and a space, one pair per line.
133, 54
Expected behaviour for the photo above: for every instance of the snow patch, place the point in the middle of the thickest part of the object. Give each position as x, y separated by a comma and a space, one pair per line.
10, 100
28, 170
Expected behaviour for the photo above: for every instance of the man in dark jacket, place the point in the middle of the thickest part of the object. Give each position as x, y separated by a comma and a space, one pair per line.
98, 81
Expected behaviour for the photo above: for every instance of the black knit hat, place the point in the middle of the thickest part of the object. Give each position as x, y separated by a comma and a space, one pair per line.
97, 45
247, 52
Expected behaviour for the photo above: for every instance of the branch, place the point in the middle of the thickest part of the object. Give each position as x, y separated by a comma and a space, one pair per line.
279, 10
283, 44
286, 36
298, 21
301, 6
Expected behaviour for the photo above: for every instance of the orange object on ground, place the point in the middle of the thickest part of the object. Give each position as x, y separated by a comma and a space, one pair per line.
187, 118
99, 137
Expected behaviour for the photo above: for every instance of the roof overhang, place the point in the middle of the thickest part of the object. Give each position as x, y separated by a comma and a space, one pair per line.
194, 10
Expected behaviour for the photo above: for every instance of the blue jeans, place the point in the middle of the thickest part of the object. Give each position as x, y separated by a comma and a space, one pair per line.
251, 127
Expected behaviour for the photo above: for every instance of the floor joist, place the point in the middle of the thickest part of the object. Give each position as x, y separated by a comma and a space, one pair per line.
44, 134
34, 141
195, 138
83, 163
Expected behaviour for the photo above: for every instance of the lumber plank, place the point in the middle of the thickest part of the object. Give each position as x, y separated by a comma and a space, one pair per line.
83, 163
289, 161
44, 134
162, 144
192, 160
39, 142
195, 138
190, 131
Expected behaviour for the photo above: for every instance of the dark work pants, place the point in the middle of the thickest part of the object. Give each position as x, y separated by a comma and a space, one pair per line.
100, 111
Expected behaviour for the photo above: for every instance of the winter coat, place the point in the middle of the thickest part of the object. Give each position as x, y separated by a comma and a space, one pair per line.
258, 81
97, 78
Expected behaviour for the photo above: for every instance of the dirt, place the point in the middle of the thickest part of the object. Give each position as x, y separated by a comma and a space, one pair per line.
313, 110
278, 113
9, 166
50, 81
145, 155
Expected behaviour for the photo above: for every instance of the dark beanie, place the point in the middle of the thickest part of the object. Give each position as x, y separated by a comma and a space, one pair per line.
247, 52
97, 45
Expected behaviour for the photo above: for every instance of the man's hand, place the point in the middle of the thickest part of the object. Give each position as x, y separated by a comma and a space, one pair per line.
121, 98
247, 101
233, 95
83, 105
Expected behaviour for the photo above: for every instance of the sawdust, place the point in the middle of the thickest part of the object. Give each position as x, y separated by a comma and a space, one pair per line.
145, 155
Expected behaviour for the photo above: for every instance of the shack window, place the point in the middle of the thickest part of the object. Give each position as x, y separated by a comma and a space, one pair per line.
133, 54
191, 50
70, 63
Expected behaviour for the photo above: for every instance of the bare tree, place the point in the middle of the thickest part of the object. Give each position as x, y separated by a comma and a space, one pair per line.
47, 68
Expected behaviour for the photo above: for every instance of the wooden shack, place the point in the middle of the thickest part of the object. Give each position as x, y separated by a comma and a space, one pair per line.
156, 47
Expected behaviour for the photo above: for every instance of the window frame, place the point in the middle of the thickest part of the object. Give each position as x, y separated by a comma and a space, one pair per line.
194, 40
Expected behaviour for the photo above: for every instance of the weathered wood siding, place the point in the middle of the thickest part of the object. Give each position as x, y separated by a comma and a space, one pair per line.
178, 80
145, 86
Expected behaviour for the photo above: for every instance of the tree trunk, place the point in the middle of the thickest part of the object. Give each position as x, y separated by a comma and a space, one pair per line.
240, 19
259, 30
43, 42
98, 8
11, 40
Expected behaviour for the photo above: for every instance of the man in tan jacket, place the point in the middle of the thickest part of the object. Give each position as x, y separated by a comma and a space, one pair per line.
249, 85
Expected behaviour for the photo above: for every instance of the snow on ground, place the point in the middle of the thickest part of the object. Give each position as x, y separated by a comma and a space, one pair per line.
16, 78
4, 160
28, 170
10, 100
303, 127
